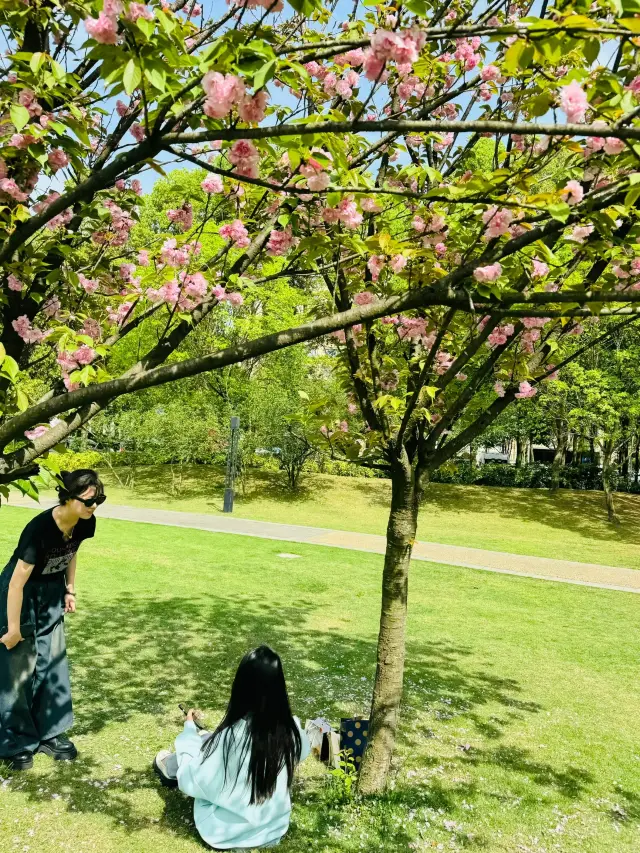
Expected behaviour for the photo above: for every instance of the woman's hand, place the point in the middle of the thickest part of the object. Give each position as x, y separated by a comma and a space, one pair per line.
69, 603
190, 714
11, 639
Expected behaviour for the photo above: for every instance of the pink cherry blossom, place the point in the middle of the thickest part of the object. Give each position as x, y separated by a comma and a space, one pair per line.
349, 214
279, 242
580, 233
182, 217
398, 263
143, 258
121, 108
488, 273
136, 186
245, 157
236, 233
57, 159
613, 145
573, 192
10, 188
526, 390
84, 355
212, 184
88, 284
499, 389
37, 432
223, 91
103, 29
137, 131
14, 283
490, 73
252, 109
139, 10
540, 269
51, 307
365, 297
376, 264
372, 66
573, 102
497, 222
29, 334
418, 224
236, 299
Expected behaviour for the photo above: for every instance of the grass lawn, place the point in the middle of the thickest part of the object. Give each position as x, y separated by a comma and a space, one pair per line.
569, 525
520, 728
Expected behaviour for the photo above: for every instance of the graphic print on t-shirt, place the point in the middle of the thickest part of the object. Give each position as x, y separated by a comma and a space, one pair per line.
58, 559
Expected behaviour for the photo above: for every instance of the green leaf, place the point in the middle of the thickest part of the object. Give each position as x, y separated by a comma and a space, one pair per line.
145, 27
591, 49
262, 77
539, 105
632, 196
306, 7
511, 62
526, 57
167, 24
22, 400
294, 159
37, 61
632, 24
559, 211
131, 77
418, 7
630, 7
19, 116
9, 368
27, 489
57, 70
303, 395
157, 78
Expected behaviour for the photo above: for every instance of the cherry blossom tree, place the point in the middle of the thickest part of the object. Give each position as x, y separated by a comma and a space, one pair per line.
345, 151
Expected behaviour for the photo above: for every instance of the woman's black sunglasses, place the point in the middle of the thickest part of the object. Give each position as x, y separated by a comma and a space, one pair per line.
89, 502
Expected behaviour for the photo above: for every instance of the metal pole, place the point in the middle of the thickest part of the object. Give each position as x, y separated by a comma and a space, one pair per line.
232, 456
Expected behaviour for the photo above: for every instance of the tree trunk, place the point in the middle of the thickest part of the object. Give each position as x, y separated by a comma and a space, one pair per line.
519, 451
387, 691
575, 459
559, 455
636, 464
607, 481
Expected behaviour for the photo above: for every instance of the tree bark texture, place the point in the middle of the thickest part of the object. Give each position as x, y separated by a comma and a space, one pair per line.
387, 691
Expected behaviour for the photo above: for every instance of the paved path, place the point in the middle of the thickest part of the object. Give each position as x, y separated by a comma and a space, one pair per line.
565, 571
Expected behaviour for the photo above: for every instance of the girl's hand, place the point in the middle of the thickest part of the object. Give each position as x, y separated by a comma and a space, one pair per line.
69, 603
190, 714
11, 639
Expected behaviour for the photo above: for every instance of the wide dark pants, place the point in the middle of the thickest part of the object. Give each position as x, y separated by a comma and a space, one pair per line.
35, 691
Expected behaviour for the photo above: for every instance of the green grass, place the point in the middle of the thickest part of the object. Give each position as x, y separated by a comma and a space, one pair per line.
520, 723
569, 525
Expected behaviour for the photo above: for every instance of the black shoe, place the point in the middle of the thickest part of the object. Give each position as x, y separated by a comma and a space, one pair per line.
58, 748
21, 761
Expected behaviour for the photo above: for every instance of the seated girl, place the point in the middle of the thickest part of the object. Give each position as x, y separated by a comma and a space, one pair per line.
240, 776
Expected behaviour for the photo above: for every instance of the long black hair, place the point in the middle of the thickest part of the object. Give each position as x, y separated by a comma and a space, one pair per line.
77, 482
272, 739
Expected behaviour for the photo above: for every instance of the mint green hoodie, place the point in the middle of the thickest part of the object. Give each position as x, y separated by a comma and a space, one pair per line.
224, 818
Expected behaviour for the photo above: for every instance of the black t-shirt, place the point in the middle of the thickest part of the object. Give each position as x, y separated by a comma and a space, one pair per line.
42, 545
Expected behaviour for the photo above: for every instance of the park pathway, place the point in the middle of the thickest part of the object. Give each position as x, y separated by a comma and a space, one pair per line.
542, 568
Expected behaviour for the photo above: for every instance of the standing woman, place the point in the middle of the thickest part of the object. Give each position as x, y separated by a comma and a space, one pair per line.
37, 588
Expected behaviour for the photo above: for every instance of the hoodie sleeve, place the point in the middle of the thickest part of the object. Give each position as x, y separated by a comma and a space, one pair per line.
195, 778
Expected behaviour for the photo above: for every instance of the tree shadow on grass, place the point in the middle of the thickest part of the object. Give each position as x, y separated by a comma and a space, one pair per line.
581, 512
136, 661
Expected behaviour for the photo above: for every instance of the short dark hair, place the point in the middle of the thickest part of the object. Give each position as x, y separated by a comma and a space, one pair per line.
77, 482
